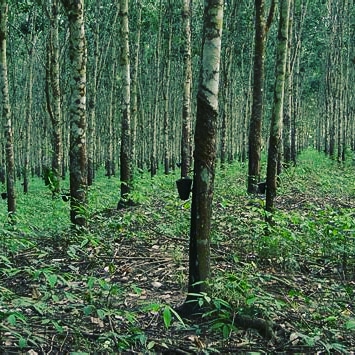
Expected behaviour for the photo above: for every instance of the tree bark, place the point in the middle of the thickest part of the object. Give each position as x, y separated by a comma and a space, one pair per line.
77, 153
186, 111
126, 144
53, 94
255, 137
93, 99
134, 84
277, 112
205, 150
167, 122
6, 112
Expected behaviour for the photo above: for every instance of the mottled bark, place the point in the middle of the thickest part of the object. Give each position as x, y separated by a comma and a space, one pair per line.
277, 111
126, 144
6, 111
205, 150
186, 110
77, 152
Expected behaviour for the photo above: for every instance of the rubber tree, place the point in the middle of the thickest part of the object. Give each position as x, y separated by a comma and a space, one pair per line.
255, 134
186, 110
277, 110
77, 150
53, 94
205, 151
126, 173
6, 111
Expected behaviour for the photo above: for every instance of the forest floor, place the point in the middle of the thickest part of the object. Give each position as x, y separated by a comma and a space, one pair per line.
115, 287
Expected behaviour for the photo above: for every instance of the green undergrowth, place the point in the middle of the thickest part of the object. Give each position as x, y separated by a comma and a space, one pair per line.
107, 288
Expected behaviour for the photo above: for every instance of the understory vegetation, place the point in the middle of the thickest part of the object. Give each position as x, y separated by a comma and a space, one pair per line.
116, 285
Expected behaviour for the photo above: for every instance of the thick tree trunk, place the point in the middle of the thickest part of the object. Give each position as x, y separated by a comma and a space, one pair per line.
6, 112
77, 152
205, 150
277, 112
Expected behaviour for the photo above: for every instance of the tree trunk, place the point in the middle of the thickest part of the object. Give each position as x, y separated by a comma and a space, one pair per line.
167, 124
53, 95
28, 110
126, 145
277, 112
6, 112
77, 152
134, 85
255, 137
154, 128
93, 100
186, 111
205, 151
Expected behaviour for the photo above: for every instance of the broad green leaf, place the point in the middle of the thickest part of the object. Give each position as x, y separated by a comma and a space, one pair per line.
22, 343
101, 313
52, 279
167, 316
88, 310
11, 319
151, 345
350, 324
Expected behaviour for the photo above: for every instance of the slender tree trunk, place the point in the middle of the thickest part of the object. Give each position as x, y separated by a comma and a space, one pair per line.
186, 111
134, 84
6, 112
126, 175
53, 95
110, 160
154, 128
93, 100
277, 112
287, 122
205, 150
255, 134
167, 123
77, 152
29, 113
